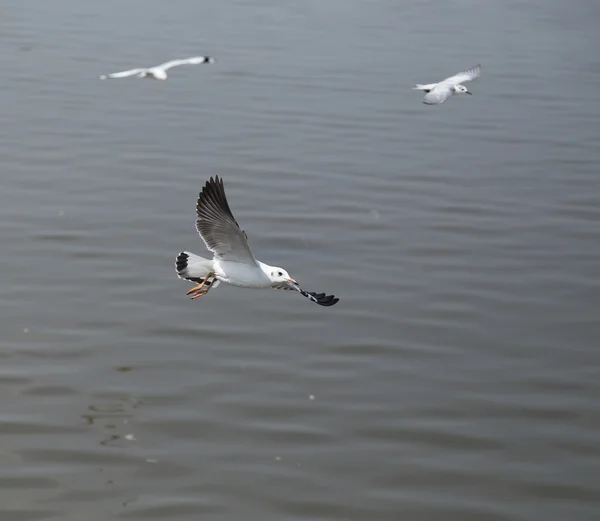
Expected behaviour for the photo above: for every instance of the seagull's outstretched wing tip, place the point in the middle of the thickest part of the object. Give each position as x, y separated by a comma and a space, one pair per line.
475, 71
326, 300
319, 298
213, 185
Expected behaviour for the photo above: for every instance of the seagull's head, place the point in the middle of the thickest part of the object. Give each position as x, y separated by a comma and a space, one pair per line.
280, 277
461, 89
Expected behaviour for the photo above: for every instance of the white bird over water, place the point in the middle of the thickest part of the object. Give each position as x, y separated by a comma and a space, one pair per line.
158, 72
233, 261
440, 92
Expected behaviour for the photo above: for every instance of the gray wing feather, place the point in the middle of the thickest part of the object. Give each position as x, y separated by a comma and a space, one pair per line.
123, 74
317, 298
217, 226
461, 77
194, 60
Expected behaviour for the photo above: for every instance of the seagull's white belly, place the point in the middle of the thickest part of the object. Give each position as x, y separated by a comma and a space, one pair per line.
243, 275
157, 73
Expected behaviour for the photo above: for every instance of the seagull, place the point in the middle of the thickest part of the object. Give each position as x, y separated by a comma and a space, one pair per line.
440, 92
233, 261
158, 72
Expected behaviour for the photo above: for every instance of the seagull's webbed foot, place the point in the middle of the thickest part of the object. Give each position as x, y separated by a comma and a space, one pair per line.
200, 293
203, 288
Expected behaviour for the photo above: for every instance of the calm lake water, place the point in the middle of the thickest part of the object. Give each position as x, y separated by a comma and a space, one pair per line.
457, 379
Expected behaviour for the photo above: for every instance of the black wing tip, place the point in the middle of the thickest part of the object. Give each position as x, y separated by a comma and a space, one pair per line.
321, 298
212, 185
213, 192
212, 202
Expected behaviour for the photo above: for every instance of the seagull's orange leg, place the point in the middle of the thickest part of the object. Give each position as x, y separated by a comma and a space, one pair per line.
200, 289
196, 288
201, 285
201, 293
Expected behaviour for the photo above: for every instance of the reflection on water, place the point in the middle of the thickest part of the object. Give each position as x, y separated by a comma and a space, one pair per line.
114, 417
457, 377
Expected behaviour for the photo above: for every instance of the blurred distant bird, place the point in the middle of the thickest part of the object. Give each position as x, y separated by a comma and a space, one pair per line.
159, 72
440, 92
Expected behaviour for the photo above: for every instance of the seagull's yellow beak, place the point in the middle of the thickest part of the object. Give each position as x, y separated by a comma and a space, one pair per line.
292, 281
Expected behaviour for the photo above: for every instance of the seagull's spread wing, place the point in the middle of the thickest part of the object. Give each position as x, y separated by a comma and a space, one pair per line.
318, 298
461, 77
122, 74
194, 60
440, 93
217, 226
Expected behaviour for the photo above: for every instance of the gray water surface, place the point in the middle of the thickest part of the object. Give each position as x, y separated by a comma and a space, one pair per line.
457, 379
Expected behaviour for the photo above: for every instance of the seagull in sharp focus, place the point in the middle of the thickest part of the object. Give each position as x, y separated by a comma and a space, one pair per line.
158, 72
440, 92
233, 261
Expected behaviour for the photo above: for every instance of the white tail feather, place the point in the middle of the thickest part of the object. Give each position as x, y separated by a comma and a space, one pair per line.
194, 268
426, 88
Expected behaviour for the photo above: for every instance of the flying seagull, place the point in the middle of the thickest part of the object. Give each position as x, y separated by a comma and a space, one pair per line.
233, 261
158, 72
440, 92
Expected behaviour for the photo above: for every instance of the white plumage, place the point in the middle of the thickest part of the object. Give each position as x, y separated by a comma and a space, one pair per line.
440, 92
233, 262
158, 72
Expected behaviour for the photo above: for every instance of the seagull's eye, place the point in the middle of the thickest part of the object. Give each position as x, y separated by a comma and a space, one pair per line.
280, 274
